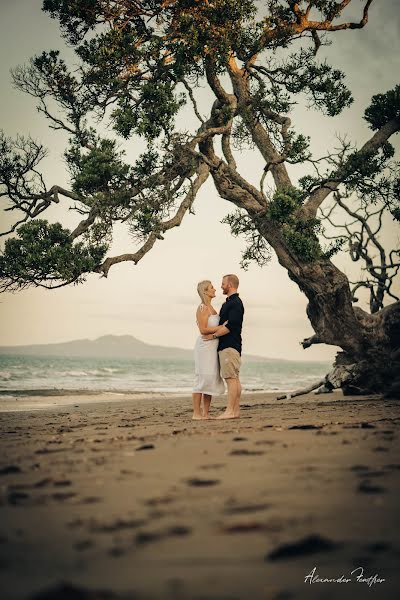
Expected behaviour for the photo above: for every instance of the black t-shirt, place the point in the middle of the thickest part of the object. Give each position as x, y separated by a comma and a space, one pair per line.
232, 311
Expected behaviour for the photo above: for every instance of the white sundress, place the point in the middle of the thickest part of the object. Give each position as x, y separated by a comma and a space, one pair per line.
208, 379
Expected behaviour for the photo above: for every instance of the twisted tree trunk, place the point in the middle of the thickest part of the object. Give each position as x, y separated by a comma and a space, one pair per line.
370, 360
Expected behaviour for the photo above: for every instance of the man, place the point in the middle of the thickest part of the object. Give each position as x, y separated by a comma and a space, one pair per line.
230, 344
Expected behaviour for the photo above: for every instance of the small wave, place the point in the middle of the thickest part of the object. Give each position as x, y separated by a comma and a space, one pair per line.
73, 373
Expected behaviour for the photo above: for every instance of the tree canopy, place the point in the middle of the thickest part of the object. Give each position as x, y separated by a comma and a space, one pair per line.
138, 65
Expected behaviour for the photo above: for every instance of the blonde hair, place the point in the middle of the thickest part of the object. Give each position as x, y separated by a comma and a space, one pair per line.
201, 289
233, 280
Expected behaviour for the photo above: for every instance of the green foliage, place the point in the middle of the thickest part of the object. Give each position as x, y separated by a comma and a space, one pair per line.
333, 248
363, 167
298, 150
266, 97
257, 248
44, 252
284, 204
323, 85
152, 113
383, 108
301, 238
307, 182
300, 235
203, 28
54, 71
76, 17
389, 191
241, 136
132, 58
146, 164
100, 169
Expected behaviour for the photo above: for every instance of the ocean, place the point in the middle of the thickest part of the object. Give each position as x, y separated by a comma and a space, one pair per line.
161, 375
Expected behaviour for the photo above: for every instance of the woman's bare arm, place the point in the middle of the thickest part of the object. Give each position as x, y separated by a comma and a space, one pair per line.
202, 315
220, 331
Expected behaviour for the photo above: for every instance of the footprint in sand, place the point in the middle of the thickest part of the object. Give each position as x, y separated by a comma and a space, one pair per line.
63, 495
160, 500
244, 452
178, 530
372, 473
118, 525
18, 498
312, 544
305, 427
89, 500
197, 482
378, 547
116, 551
366, 487
246, 527
50, 450
265, 443
29, 486
8, 469
146, 537
83, 545
394, 466
233, 509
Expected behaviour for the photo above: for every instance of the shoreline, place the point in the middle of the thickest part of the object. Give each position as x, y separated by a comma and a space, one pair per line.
44, 399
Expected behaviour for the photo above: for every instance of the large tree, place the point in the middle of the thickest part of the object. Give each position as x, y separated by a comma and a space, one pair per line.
140, 62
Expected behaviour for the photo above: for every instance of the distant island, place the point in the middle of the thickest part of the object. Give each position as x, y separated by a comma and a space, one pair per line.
110, 346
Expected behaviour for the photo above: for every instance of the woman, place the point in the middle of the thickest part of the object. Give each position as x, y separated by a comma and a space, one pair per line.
208, 381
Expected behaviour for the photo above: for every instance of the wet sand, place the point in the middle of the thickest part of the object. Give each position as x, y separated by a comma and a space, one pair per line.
132, 499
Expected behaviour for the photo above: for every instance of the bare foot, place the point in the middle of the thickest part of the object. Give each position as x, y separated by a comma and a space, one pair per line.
227, 415
197, 417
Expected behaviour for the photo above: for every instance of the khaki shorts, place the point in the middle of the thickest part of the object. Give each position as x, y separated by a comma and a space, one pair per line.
229, 360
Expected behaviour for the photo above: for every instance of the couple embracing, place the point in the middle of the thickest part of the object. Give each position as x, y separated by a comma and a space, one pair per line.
218, 349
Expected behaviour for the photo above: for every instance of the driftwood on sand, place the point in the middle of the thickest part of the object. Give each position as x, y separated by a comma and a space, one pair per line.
318, 384
333, 380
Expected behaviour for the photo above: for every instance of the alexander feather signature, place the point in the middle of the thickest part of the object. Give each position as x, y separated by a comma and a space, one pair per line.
357, 575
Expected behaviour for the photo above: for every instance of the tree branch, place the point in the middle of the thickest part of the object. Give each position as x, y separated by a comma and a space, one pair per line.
202, 175
258, 132
317, 197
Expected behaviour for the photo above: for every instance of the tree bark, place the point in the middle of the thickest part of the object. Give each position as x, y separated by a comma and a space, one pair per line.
370, 361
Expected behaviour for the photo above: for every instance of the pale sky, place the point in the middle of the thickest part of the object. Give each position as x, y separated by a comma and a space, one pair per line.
156, 300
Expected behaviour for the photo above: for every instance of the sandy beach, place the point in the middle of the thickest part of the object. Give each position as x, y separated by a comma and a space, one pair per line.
125, 497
